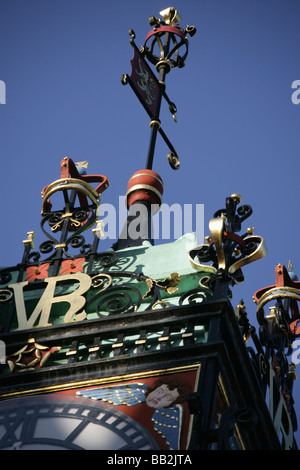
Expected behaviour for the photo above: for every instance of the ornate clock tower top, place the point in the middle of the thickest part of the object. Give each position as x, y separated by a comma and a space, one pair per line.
139, 347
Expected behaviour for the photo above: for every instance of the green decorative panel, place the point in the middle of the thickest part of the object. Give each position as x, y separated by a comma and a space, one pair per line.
131, 280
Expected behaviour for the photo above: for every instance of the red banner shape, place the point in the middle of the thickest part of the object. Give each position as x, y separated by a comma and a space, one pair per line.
144, 83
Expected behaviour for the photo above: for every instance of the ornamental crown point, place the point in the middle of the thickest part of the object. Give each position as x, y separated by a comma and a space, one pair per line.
170, 16
83, 164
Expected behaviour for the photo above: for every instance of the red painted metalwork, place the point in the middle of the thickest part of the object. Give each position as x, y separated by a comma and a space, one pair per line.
72, 266
144, 185
37, 272
69, 170
282, 279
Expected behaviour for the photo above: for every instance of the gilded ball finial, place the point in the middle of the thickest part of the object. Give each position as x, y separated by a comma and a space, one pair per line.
237, 197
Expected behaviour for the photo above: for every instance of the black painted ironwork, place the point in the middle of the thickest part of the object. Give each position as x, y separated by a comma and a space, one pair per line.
225, 250
134, 327
168, 38
137, 326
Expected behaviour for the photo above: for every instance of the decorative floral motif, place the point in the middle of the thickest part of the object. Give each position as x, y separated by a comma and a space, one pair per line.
168, 284
72, 266
32, 356
37, 272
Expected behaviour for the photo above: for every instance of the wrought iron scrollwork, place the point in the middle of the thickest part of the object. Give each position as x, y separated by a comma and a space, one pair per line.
226, 251
5, 295
114, 299
5, 277
270, 350
64, 227
47, 246
107, 258
119, 300
193, 296
199, 294
114, 296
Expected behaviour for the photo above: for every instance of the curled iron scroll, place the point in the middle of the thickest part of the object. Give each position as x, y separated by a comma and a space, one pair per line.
253, 248
173, 160
259, 252
192, 255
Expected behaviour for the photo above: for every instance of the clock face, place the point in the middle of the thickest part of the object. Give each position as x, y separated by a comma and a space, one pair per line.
49, 422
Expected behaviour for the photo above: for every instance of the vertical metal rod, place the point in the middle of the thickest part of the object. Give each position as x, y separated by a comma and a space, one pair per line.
64, 234
151, 147
155, 126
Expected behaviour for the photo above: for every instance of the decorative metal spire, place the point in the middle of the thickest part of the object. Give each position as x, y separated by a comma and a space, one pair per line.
162, 48
225, 251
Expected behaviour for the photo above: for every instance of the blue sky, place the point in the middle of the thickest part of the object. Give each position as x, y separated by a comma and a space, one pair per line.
237, 130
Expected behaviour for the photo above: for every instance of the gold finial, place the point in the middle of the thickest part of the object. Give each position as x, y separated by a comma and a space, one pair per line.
290, 267
237, 197
170, 16
272, 315
29, 240
99, 229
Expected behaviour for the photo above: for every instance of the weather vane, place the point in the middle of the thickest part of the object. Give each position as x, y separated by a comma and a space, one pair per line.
162, 47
